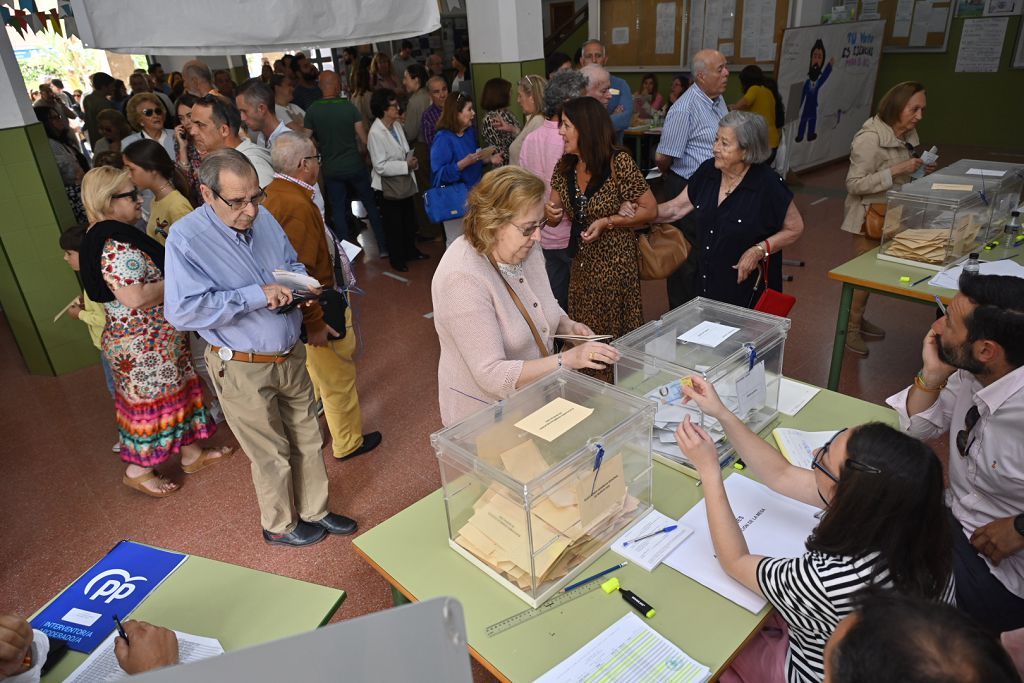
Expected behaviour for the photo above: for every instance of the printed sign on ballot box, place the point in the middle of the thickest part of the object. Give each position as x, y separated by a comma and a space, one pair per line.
84, 613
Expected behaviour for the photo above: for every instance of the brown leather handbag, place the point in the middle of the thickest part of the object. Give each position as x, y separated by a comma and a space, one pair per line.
663, 248
874, 221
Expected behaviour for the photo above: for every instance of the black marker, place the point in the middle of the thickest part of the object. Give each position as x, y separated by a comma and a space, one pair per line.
632, 598
120, 630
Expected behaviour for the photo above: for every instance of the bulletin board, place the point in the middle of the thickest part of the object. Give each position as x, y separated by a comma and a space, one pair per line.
916, 25
664, 34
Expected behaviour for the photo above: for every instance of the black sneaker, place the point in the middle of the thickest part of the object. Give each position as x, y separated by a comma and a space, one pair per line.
304, 533
370, 441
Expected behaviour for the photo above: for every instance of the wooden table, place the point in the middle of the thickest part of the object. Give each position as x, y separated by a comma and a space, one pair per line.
237, 606
411, 551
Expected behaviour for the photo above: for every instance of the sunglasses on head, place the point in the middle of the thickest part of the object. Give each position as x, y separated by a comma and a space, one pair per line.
152, 112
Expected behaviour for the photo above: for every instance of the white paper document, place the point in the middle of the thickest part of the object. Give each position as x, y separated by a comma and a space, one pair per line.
351, 250
981, 45
665, 31
297, 281
773, 525
649, 552
708, 334
751, 390
798, 446
950, 279
793, 396
628, 651
102, 663
991, 173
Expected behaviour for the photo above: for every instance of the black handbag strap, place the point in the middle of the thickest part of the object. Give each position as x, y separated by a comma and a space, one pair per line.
522, 309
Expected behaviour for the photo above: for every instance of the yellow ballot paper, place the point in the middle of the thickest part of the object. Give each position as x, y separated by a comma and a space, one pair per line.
554, 419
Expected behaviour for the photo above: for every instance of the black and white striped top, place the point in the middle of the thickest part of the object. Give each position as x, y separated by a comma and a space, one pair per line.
813, 593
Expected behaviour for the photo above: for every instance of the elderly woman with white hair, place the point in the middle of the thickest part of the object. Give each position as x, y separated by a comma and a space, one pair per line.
745, 213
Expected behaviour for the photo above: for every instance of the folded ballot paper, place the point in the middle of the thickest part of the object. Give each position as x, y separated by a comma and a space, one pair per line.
296, 281
927, 245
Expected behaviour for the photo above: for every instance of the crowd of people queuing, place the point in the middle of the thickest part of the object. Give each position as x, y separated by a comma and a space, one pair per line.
184, 220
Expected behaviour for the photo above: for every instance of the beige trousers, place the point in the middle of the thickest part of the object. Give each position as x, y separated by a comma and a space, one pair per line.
270, 409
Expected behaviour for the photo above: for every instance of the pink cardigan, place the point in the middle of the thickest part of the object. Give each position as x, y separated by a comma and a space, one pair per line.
484, 339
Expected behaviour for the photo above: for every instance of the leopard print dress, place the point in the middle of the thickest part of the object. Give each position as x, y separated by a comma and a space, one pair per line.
604, 283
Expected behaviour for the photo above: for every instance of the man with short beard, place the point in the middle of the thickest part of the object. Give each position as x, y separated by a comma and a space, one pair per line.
971, 386
306, 89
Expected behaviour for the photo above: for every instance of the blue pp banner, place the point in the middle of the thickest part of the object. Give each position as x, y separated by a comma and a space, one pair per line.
84, 613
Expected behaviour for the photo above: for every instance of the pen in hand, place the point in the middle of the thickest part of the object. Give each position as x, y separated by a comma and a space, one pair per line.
120, 630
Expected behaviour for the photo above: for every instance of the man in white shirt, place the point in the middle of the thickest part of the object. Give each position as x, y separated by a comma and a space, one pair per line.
971, 386
215, 124
255, 101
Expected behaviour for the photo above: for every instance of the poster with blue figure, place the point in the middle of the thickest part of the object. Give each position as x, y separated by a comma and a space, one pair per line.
816, 77
83, 614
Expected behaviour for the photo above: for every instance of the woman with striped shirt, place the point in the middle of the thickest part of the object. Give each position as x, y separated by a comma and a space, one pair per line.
884, 525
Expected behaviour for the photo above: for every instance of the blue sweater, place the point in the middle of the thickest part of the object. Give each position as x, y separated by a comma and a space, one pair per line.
446, 152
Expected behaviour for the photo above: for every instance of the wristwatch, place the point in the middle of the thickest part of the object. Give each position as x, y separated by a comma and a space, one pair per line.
1018, 524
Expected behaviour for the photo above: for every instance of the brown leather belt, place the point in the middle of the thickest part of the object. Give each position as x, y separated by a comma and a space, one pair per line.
250, 357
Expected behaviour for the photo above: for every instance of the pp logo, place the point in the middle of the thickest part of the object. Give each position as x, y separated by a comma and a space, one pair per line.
113, 588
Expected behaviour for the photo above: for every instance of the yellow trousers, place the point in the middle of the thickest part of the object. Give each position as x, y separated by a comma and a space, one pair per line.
334, 375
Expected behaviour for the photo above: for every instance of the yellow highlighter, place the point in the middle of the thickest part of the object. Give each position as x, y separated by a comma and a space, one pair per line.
632, 598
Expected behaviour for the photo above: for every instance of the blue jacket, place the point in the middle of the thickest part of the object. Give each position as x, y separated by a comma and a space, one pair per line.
621, 120
446, 152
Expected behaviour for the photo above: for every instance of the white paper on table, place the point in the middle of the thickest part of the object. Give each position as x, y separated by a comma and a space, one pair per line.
985, 172
751, 390
102, 664
628, 650
708, 333
950, 279
649, 552
793, 396
798, 446
351, 250
297, 281
666, 436
773, 525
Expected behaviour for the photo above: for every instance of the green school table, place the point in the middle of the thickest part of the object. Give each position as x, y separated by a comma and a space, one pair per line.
411, 551
239, 607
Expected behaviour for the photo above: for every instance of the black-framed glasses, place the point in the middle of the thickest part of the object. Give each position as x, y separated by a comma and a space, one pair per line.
152, 112
239, 204
133, 195
852, 463
528, 229
319, 157
963, 437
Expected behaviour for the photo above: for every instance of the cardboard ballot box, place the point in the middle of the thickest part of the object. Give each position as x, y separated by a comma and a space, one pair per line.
736, 349
541, 483
933, 222
1000, 183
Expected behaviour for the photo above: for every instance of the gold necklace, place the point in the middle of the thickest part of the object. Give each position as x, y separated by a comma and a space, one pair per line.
730, 190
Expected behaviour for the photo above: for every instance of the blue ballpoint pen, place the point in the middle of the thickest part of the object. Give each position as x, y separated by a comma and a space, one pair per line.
671, 527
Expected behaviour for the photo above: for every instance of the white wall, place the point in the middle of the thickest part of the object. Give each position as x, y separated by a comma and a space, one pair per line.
15, 107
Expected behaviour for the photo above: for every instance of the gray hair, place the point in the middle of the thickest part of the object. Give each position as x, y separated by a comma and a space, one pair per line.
751, 131
289, 149
563, 86
226, 159
256, 92
197, 69
592, 71
700, 64
594, 41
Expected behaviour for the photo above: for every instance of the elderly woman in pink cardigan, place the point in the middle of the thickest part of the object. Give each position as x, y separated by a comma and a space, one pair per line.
493, 308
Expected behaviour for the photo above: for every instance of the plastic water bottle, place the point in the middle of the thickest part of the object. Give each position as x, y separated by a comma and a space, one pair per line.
971, 268
1008, 238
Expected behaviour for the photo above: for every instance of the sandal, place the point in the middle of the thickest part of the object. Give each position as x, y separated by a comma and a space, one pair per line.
137, 484
205, 458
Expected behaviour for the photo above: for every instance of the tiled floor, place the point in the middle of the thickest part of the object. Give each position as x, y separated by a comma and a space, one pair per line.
63, 506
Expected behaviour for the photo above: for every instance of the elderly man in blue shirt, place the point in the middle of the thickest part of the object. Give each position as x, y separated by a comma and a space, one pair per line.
687, 141
220, 282
620, 106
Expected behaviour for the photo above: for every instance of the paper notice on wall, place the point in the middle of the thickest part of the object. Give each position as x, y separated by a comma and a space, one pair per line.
766, 52
869, 10
665, 36
696, 40
981, 44
727, 49
712, 25
620, 35
728, 27
901, 22
919, 26
750, 29
937, 22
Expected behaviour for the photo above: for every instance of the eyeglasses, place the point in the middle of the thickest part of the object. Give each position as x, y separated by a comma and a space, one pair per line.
529, 229
133, 195
963, 440
852, 463
239, 204
319, 157
153, 112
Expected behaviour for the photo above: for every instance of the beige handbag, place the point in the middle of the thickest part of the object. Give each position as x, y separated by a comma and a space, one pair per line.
663, 248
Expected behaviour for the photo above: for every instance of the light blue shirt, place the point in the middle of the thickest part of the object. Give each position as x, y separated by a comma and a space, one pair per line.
690, 130
213, 278
621, 120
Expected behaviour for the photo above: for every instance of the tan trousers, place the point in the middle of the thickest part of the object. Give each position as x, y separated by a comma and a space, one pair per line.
861, 245
270, 409
334, 376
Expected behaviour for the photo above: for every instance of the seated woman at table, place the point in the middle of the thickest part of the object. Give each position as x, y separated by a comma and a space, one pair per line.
881, 159
745, 213
494, 311
885, 526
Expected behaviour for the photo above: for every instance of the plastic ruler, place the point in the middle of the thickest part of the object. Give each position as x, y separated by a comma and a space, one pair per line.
526, 615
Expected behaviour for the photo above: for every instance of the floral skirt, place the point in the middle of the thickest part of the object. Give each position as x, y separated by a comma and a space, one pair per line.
159, 398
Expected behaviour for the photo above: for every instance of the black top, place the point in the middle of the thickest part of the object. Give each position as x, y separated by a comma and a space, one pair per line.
752, 213
91, 254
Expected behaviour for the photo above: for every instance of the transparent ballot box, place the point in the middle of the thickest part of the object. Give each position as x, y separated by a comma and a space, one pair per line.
737, 350
930, 223
539, 484
1001, 183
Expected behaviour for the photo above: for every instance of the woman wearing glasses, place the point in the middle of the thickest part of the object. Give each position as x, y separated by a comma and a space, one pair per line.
392, 176
159, 400
884, 525
491, 282
146, 115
